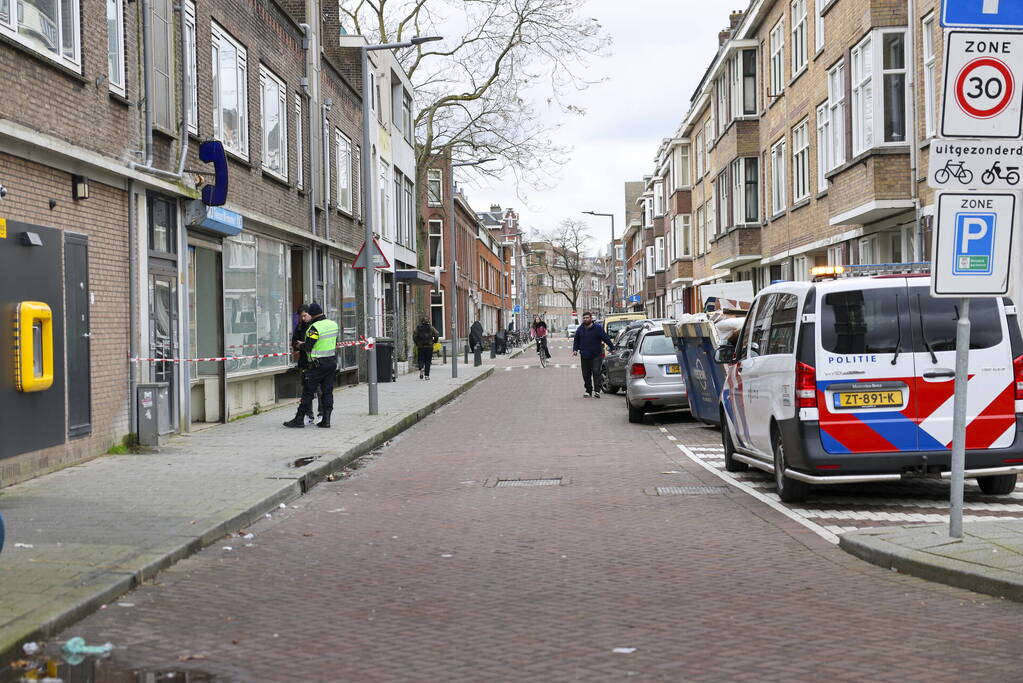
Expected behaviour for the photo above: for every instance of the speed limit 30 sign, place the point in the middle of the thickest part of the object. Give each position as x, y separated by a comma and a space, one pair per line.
983, 85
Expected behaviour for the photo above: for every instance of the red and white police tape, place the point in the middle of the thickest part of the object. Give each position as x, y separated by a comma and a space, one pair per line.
366, 343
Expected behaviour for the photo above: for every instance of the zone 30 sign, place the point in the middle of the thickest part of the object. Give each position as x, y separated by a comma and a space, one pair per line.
983, 85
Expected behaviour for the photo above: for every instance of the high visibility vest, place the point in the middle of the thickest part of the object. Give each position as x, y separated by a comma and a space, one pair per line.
326, 344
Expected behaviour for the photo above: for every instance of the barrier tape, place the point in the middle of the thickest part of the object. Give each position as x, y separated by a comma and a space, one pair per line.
364, 342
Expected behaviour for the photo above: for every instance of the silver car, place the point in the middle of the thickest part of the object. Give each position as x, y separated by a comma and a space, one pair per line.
653, 378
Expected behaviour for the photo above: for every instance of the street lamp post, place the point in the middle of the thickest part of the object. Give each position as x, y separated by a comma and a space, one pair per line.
614, 260
367, 209
453, 248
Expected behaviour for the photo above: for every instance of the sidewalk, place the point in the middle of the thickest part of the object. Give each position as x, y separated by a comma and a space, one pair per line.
81, 537
988, 559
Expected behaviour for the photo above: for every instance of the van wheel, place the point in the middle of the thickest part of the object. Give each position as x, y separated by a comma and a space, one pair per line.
635, 414
997, 484
731, 464
789, 490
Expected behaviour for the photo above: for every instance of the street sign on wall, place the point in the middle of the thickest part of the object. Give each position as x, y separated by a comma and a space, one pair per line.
972, 245
982, 14
983, 96
975, 165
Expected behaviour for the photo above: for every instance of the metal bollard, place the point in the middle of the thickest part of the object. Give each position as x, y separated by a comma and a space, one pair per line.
493, 350
444, 354
466, 354
477, 356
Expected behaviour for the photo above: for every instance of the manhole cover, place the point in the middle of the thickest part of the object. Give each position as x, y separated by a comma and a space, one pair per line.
691, 490
529, 482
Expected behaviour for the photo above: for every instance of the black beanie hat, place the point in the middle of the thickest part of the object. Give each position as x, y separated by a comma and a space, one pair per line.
315, 309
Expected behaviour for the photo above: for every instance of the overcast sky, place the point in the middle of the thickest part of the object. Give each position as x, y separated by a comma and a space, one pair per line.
661, 50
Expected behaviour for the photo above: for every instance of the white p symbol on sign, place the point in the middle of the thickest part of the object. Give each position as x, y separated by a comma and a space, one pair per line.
973, 229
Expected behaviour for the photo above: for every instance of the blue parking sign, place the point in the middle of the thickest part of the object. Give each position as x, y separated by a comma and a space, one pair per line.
1006, 14
974, 252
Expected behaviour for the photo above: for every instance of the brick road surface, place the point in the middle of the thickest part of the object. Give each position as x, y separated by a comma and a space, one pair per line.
419, 568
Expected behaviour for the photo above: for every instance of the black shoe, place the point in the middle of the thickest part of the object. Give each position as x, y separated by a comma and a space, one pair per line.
588, 394
596, 394
324, 422
297, 422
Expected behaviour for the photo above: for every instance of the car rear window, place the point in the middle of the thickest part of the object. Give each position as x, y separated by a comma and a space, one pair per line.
656, 344
613, 328
882, 320
938, 317
865, 321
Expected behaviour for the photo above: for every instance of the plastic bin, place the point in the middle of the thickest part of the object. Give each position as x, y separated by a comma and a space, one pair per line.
385, 359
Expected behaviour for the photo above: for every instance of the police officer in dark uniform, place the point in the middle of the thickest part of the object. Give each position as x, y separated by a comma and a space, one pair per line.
320, 346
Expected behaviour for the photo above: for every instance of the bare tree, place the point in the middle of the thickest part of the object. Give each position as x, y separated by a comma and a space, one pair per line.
474, 92
568, 265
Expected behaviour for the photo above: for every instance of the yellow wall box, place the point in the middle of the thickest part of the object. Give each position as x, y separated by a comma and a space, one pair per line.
33, 347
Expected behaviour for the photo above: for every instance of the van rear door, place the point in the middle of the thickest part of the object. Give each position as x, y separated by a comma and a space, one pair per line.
866, 388
991, 408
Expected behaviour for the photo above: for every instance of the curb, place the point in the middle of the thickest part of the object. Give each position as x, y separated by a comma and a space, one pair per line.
950, 572
122, 581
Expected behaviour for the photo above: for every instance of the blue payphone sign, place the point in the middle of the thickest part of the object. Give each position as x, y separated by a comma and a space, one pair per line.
1004, 14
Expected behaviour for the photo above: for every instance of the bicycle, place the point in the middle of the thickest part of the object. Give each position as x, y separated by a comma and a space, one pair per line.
541, 350
951, 170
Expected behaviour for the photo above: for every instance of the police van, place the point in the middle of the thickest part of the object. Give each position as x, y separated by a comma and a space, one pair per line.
850, 379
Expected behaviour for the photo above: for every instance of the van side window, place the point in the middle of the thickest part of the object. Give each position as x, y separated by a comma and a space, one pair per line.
742, 343
938, 317
761, 333
783, 325
865, 321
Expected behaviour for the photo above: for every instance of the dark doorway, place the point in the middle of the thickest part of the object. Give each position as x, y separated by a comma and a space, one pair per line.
76, 301
297, 278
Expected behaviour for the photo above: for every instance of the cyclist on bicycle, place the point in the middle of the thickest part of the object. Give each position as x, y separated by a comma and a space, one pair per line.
538, 331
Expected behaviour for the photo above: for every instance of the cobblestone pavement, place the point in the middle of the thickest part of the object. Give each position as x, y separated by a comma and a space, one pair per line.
421, 566
834, 510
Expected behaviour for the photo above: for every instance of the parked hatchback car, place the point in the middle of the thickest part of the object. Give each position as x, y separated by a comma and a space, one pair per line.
653, 379
614, 372
851, 380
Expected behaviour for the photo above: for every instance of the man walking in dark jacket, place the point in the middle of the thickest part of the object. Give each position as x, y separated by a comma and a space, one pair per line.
588, 345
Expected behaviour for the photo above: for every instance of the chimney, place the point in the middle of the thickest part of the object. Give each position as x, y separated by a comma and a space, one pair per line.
734, 18
723, 37
495, 208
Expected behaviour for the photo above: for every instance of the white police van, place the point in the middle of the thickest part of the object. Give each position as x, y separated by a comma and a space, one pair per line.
851, 380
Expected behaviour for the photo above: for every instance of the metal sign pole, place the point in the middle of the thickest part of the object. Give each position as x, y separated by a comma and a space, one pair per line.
955, 527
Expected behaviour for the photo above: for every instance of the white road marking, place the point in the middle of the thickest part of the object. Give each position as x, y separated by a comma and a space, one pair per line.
821, 531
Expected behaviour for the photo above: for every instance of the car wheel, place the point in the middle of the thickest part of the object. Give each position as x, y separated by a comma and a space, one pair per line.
997, 484
731, 464
635, 414
606, 382
789, 490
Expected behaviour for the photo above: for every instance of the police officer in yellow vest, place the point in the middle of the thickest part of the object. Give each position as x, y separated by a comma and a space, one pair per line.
320, 346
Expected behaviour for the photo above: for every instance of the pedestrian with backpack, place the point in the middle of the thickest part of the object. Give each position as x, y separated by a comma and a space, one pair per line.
424, 337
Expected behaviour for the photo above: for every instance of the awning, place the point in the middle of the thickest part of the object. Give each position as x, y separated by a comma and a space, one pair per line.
414, 276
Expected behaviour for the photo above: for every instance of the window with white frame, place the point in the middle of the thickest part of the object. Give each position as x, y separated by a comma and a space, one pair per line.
437, 311
823, 136
746, 191
735, 85
818, 28
736, 169
836, 255
659, 198
49, 28
930, 76
410, 214
274, 99
836, 115
669, 236
357, 197
682, 172
721, 188
800, 268
701, 231
648, 212
230, 94
683, 242
708, 134
161, 65
299, 144
778, 58
193, 72
711, 219
650, 261
879, 94
863, 95
115, 42
801, 161
799, 57
343, 159
386, 210
779, 199
434, 186
658, 254
701, 156
723, 113
868, 250
749, 82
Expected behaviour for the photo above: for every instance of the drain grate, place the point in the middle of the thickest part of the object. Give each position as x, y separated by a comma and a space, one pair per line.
529, 482
691, 490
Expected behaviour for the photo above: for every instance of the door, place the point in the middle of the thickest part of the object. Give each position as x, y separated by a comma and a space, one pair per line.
756, 393
163, 336
76, 296
991, 413
733, 394
868, 395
